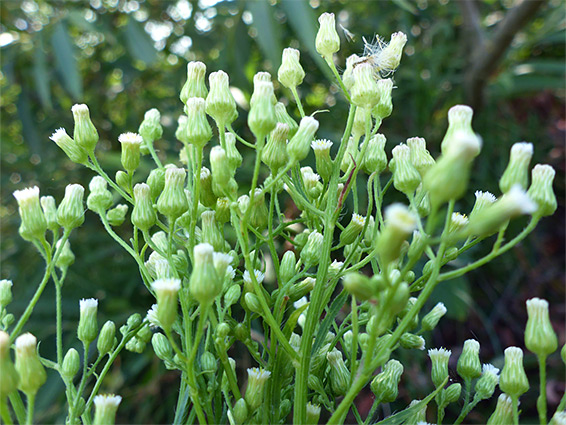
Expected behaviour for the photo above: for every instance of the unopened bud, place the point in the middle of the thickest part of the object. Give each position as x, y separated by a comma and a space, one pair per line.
117, 215
198, 131
150, 129
283, 117
503, 413
99, 198
156, 182
375, 159
517, 171
85, 133
327, 40
10, 378
257, 378
106, 339
287, 267
232, 154
365, 91
220, 103
540, 337
173, 202
28, 365
195, 86
162, 346
411, 341
541, 191
310, 254
131, 145
290, 73
406, 178
298, 147
275, 151
143, 214
459, 121
399, 224
33, 225
421, 158
339, 374
166, 292
385, 384
241, 412
430, 321
513, 380
385, 106
205, 284
390, 56
439, 359
105, 408
70, 213
71, 364
485, 386
469, 365
261, 118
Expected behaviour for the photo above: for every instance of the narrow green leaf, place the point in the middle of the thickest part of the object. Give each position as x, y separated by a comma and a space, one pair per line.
41, 74
333, 311
268, 30
293, 319
66, 62
407, 6
140, 45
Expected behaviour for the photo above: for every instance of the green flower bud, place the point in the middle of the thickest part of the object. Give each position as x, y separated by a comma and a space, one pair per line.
221, 172
485, 386
439, 359
156, 182
469, 366
503, 413
248, 283
71, 148
123, 180
150, 129
232, 295
430, 321
321, 149
70, 213
28, 365
451, 394
365, 91
311, 181
207, 196
302, 288
10, 378
348, 76
399, 224
166, 292
5, 292
241, 412
281, 116
483, 200
260, 213
339, 373
220, 103
210, 233
143, 215
460, 127
261, 118
117, 215
298, 147
105, 408
131, 144
252, 303
33, 224
100, 198
406, 178
563, 354
87, 330
222, 210
513, 380
195, 86
232, 153
275, 151
50, 212
419, 417
198, 131
135, 345
162, 346
421, 158
375, 159
517, 171
107, 338
205, 284
359, 286
310, 254
385, 384
257, 378
208, 362
540, 338
541, 191
411, 341
287, 268
173, 202
85, 133
327, 40
490, 219
390, 56
385, 106
71, 364
290, 73
313, 413
352, 230
66, 258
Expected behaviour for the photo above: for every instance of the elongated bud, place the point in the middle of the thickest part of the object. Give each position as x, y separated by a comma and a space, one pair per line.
150, 129
198, 131
452, 393
173, 202
5, 292
483, 200
261, 118
85, 133
156, 182
406, 178
313, 413
430, 321
87, 330
123, 180
311, 180
541, 191
166, 292
327, 40
283, 117
105, 408
298, 147
232, 153
339, 374
49, 212
411, 341
510, 205
210, 233
360, 286
485, 386
503, 413
421, 158
117, 215
540, 337
71, 364
365, 91
195, 86
131, 144
161, 346
439, 359
257, 378
143, 214
99, 198
259, 214
275, 151
33, 225
70, 213
28, 365
10, 378
287, 267
220, 103
517, 171
222, 210
469, 365
290, 73
66, 257
241, 412
390, 56
205, 284
106, 339
353, 229
207, 196
399, 224
321, 149
310, 254
72, 149
221, 172
459, 120
375, 159
513, 380
385, 384
385, 106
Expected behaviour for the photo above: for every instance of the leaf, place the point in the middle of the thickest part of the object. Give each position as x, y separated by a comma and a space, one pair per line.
27, 119
407, 6
293, 319
140, 45
41, 75
269, 35
67, 65
333, 311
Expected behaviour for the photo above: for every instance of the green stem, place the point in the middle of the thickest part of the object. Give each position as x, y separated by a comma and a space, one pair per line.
332, 67
59, 334
151, 150
18, 406
31, 405
372, 411
82, 385
298, 101
5, 412
196, 195
466, 410
96, 167
515, 403
541, 401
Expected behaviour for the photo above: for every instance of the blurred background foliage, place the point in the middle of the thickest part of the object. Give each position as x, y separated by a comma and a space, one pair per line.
124, 57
